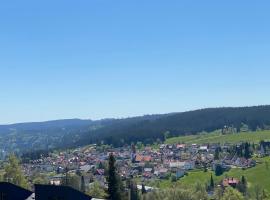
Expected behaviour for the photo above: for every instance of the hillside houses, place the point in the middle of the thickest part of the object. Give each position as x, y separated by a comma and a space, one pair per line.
144, 164
233, 182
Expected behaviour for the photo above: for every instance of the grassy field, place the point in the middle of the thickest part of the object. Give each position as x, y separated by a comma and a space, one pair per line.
259, 175
217, 137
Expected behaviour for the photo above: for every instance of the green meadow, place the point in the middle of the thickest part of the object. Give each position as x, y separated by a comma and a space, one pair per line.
259, 175
217, 137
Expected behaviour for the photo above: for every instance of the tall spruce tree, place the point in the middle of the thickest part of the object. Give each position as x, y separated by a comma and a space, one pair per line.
244, 185
133, 191
216, 155
66, 176
113, 180
247, 151
212, 184
143, 189
82, 184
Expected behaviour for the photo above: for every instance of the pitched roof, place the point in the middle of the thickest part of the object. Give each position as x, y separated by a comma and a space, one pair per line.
230, 181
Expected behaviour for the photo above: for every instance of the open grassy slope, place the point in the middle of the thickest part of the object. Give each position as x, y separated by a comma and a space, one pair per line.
258, 175
217, 137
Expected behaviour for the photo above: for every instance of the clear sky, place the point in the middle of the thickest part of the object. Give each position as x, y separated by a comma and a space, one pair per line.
109, 58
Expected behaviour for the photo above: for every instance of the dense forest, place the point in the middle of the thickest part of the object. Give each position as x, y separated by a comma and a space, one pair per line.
192, 122
147, 129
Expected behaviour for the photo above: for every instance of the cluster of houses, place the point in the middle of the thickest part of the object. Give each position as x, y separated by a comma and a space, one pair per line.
144, 164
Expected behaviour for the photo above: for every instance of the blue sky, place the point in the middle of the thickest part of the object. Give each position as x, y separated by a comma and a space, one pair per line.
102, 58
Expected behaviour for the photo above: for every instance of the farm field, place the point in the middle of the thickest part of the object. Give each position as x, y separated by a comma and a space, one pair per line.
217, 137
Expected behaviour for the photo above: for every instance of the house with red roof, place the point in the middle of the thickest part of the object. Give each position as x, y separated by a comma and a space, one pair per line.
233, 182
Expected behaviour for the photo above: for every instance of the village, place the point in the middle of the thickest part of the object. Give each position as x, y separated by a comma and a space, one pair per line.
147, 163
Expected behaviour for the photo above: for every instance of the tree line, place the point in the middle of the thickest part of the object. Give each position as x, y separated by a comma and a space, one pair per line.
150, 129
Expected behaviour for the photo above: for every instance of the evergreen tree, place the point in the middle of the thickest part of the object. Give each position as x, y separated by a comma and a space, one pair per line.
247, 151
133, 148
143, 189
205, 167
66, 177
133, 191
218, 170
212, 184
113, 180
244, 183
216, 155
82, 184
242, 186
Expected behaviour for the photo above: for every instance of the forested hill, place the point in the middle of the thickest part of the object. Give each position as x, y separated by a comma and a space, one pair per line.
147, 129
184, 123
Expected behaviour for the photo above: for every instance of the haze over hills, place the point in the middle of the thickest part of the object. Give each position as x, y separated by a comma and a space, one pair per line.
75, 132
50, 125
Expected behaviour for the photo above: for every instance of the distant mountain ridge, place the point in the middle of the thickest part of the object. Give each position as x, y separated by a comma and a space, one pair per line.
47, 124
75, 132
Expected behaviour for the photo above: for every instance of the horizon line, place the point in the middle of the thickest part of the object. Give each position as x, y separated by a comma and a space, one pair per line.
126, 117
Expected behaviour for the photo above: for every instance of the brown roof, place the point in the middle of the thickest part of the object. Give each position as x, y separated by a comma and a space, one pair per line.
141, 158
